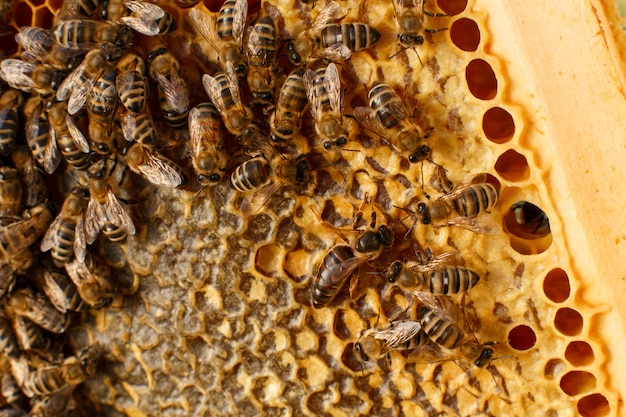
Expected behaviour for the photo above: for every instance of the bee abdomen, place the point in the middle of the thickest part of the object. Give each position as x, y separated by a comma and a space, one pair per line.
113, 232
476, 199
439, 329
356, 36
250, 175
224, 27
63, 250
381, 97
331, 277
452, 280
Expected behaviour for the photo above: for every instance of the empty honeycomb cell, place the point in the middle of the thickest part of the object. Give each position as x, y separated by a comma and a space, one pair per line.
579, 353
465, 34
43, 17
512, 166
568, 321
556, 285
577, 382
452, 7
554, 367
481, 80
522, 337
498, 125
594, 405
23, 15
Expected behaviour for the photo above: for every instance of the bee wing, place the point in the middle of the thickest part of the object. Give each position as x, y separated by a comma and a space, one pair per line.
157, 171
369, 119
204, 24
442, 306
333, 87
141, 25
52, 156
484, 224
129, 122
233, 84
261, 196
117, 214
198, 134
398, 334
79, 96
240, 13
336, 52
327, 15
79, 138
93, 216
49, 239
311, 92
437, 262
144, 10
80, 241
213, 89
171, 87
15, 73
71, 81
54, 292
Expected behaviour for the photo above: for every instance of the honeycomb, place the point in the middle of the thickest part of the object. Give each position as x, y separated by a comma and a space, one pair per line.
221, 321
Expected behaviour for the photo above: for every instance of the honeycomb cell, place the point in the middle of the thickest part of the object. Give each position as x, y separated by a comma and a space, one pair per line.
481, 80
23, 15
579, 353
512, 166
553, 368
267, 259
43, 18
465, 34
498, 125
527, 221
568, 321
522, 337
556, 285
577, 382
452, 7
594, 405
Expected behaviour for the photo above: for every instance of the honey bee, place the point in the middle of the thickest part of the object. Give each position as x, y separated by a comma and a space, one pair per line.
292, 99
324, 92
93, 280
15, 238
343, 259
104, 210
435, 274
8, 344
333, 41
387, 117
208, 156
155, 168
84, 35
40, 141
444, 323
36, 307
265, 174
39, 46
399, 335
11, 392
102, 100
223, 89
43, 79
59, 289
139, 128
29, 336
261, 52
73, 371
35, 190
533, 222
465, 206
10, 195
69, 139
410, 22
132, 85
225, 35
173, 92
66, 235
147, 18
10, 101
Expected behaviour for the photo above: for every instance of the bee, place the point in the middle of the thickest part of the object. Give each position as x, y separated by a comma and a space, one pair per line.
225, 35
223, 89
261, 52
15, 238
35, 190
410, 22
265, 174
11, 392
147, 18
465, 206
40, 141
435, 274
69, 139
324, 92
399, 335
8, 343
93, 280
59, 289
173, 92
208, 156
36, 307
533, 222
131, 83
39, 46
74, 8
29, 336
66, 235
41, 78
444, 323
387, 117
343, 259
292, 99
73, 371
333, 41
102, 100
10, 101
154, 167
139, 128
84, 35
10, 196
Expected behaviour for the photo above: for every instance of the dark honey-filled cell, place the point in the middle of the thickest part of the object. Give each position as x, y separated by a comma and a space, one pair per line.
43, 18
577, 382
556, 285
465, 34
522, 337
498, 125
452, 7
512, 166
579, 353
568, 321
481, 80
527, 221
594, 405
23, 15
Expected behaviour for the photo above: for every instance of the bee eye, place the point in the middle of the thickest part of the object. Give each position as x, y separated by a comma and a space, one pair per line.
103, 148
267, 96
240, 69
215, 178
328, 145
341, 141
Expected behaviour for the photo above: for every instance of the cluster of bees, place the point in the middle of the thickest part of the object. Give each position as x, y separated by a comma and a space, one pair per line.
83, 89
